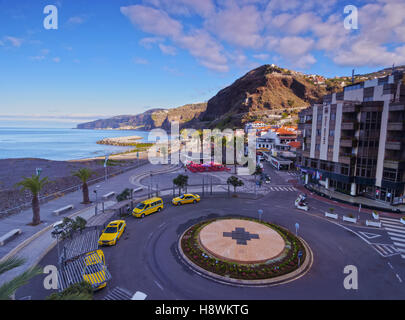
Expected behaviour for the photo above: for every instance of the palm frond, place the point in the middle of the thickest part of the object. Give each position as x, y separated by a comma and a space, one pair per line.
11, 263
83, 174
33, 184
10, 287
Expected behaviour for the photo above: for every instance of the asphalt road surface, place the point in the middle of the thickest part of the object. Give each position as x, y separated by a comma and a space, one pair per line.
145, 259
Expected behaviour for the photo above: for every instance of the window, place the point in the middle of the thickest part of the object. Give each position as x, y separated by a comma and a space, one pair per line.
331, 133
333, 116
344, 169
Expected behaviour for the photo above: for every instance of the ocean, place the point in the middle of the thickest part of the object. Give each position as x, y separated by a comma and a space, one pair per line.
60, 144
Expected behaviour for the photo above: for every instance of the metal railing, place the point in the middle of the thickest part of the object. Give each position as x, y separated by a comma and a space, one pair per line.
60, 193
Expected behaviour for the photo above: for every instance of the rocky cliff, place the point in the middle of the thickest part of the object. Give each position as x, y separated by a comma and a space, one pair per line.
261, 93
151, 119
267, 89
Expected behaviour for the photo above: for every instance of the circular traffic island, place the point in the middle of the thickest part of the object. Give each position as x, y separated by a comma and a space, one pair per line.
245, 251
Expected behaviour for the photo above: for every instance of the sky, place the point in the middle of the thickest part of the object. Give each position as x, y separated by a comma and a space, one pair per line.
116, 57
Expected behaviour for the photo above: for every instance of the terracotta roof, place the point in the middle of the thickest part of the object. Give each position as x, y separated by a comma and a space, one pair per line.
295, 144
283, 131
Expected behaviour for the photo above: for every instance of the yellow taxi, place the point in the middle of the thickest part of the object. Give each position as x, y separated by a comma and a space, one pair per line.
112, 233
186, 198
148, 207
94, 270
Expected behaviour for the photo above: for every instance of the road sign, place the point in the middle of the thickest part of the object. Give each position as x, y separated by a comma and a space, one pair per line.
260, 212
299, 257
106, 160
38, 171
297, 226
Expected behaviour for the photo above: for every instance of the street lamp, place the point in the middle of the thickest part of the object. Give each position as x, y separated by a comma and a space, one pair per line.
260, 212
96, 208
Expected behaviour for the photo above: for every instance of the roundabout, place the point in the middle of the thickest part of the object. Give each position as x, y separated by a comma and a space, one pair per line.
244, 251
149, 257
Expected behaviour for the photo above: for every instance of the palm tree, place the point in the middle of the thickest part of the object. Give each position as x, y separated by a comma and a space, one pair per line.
181, 181
235, 182
34, 185
84, 174
8, 289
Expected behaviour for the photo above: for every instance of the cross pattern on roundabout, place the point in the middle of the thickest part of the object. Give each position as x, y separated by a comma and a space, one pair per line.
241, 236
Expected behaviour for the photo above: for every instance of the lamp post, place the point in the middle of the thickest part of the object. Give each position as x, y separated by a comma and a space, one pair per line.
96, 208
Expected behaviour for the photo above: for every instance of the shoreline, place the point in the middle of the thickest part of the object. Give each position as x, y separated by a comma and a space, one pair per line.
130, 141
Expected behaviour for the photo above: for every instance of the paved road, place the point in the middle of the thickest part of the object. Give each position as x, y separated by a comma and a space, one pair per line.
145, 258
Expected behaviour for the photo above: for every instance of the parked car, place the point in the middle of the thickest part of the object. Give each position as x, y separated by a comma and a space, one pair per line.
94, 271
112, 233
148, 207
186, 198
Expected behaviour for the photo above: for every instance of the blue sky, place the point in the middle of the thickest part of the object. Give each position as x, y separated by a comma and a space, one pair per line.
123, 57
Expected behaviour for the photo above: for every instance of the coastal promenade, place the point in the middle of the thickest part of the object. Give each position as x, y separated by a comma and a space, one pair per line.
34, 242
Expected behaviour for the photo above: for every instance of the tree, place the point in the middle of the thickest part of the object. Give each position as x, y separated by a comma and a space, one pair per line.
84, 175
235, 182
124, 195
181, 181
8, 289
69, 226
77, 291
258, 171
34, 185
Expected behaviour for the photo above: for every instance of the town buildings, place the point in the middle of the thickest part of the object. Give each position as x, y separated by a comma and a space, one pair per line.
354, 141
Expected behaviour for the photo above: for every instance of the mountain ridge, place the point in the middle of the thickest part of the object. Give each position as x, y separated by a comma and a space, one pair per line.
263, 93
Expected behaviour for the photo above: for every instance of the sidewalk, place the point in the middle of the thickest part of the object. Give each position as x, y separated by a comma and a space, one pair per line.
21, 220
346, 201
40, 245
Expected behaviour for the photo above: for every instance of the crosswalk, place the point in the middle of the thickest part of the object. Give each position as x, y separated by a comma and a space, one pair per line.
385, 250
396, 232
283, 188
294, 173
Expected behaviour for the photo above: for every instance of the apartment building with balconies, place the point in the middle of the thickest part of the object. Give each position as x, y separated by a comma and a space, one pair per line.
354, 141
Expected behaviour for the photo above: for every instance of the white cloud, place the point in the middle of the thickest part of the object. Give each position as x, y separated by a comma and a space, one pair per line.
76, 20
261, 56
237, 25
37, 58
56, 59
150, 41
292, 30
169, 50
140, 61
197, 42
184, 7
153, 20
15, 42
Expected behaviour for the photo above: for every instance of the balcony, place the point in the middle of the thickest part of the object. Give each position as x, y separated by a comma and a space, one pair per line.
346, 158
350, 108
391, 164
348, 142
348, 125
395, 126
397, 107
393, 145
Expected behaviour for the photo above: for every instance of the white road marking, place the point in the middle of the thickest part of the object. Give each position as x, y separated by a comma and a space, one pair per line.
397, 239
399, 278
158, 284
399, 244
390, 265
396, 234
392, 224
389, 219
396, 230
